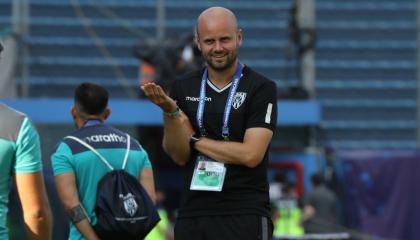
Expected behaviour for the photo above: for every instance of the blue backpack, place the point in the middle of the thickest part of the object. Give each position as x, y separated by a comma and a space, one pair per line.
123, 208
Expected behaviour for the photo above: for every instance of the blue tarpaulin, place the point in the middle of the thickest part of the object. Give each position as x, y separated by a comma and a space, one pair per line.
381, 192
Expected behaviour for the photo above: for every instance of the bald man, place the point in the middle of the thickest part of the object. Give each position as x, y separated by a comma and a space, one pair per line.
218, 124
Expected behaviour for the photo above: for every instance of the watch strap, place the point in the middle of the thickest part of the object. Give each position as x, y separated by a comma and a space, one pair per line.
194, 138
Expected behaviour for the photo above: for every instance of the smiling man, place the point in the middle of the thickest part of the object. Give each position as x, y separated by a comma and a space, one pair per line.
218, 124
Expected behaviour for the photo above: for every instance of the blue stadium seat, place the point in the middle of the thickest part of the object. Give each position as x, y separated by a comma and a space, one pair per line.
365, 55
366, 72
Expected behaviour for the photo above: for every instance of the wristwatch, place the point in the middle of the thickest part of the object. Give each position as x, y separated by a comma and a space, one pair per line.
194, 138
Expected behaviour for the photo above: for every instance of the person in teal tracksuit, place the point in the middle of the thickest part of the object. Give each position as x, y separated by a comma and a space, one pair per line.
20, 158
78, 170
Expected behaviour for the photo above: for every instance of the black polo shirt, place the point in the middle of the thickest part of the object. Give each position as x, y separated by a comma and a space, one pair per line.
245, 190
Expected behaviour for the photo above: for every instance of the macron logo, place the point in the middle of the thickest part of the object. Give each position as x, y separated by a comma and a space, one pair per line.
112, 137
196, 99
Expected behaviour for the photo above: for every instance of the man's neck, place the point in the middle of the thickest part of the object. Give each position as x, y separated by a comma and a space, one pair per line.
221, 78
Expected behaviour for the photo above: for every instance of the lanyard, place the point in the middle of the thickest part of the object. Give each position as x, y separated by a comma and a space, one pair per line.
228, 106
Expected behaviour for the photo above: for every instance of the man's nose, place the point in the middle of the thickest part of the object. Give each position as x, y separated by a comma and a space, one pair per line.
218, 46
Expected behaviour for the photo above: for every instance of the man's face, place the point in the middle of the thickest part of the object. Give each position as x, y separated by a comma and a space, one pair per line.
219, 44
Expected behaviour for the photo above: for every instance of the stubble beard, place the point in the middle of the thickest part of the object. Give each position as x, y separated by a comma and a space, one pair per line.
220, 67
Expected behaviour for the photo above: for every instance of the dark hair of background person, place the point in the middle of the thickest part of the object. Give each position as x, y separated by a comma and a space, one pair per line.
91, 99
317, 179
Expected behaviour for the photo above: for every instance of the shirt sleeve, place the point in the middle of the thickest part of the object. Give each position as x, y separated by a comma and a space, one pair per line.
308, 199
61, 159
146, 160
144, 155
263, 107
28, 153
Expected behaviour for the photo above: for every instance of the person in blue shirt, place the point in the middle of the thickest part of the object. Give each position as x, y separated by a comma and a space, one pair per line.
78, 170
20, 159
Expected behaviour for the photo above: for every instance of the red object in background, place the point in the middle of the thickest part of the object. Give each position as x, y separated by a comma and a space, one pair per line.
294, 165
147, 73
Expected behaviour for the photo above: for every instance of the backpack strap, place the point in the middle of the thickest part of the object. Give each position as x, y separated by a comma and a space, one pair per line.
90, 148
100, 155
126, 152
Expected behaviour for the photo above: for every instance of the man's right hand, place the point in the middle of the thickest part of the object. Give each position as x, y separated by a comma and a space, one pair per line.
177, 130
156, 94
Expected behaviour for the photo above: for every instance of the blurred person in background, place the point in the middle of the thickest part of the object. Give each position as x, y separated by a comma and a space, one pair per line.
162, 61
77, 169
20, 160
319, 208
276, 186
288, 213
164, 229
221, 137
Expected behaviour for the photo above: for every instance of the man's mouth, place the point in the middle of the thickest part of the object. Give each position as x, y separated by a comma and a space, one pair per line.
219, 57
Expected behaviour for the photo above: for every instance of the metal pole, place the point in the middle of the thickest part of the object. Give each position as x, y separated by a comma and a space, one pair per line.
160, 20
305, 10
20, 22
25, 48
160, 36
306, 24
418, 73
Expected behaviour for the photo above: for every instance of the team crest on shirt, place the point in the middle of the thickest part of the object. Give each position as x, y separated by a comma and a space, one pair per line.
238, 99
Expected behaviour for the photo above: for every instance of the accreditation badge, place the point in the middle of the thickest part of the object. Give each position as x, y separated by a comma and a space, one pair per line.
208, 175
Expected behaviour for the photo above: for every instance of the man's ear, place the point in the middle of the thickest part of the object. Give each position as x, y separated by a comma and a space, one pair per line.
74, 112
197, 42
107, 113
239, 37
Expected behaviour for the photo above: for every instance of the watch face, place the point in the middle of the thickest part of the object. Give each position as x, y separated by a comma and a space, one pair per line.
193, 140
196, 137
